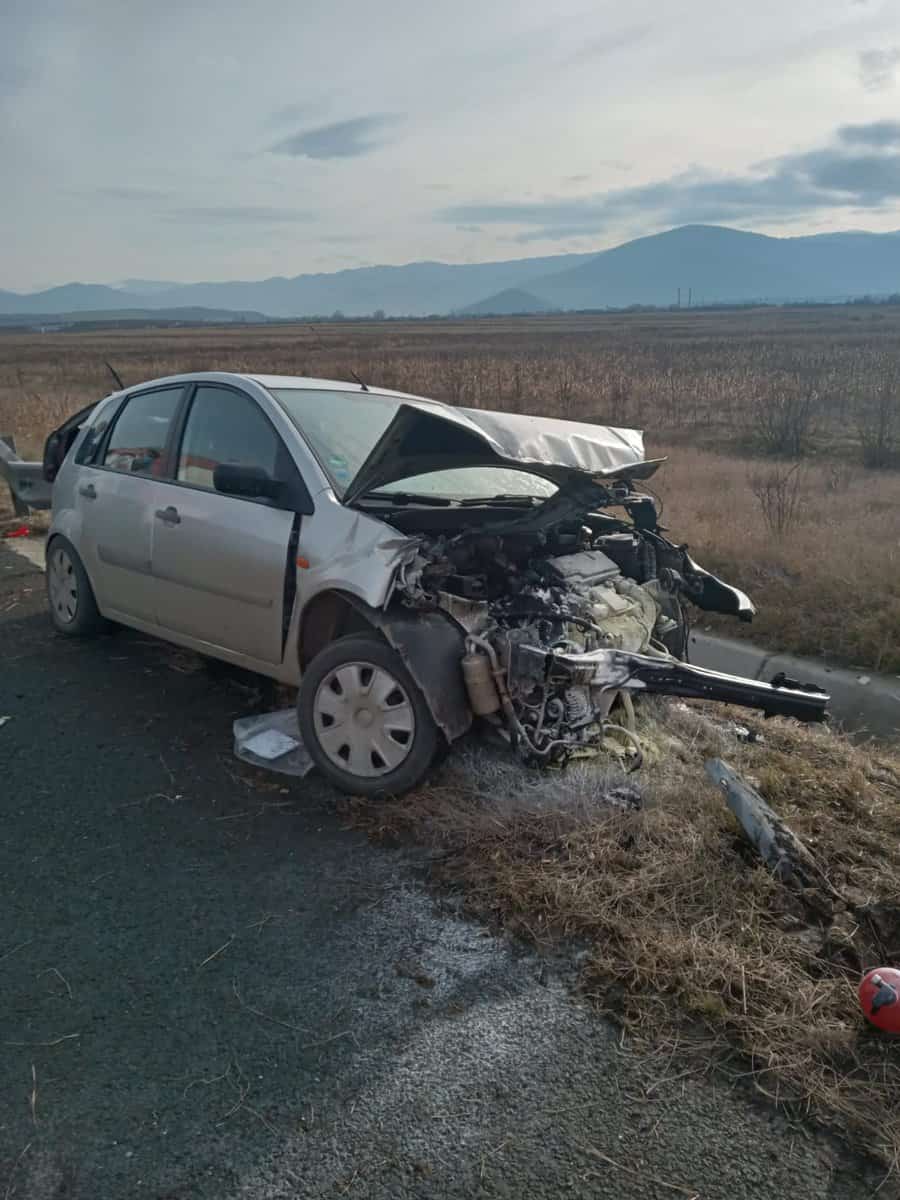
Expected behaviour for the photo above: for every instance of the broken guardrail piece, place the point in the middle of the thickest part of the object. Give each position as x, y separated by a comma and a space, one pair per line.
780, 849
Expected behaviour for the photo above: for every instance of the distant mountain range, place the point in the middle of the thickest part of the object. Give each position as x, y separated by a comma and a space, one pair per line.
709, 263
135, 316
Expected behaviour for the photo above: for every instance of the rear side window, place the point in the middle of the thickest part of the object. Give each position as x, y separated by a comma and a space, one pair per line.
92, 440
227, 427
138, 439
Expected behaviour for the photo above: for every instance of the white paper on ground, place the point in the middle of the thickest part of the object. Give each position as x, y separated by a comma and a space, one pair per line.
270, 744
272, 741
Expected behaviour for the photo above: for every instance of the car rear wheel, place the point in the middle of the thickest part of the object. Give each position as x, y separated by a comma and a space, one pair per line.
364, 721
73, 609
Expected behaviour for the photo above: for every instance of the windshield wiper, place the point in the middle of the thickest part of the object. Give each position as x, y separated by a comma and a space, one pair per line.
408, 498
520, 499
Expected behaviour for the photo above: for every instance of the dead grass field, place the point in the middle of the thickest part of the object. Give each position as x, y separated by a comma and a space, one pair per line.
732, 397
687, 939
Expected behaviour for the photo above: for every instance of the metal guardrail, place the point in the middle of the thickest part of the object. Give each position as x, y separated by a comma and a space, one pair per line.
25, 480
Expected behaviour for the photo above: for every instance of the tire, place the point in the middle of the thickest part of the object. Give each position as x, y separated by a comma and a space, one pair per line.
384, 737
73, 608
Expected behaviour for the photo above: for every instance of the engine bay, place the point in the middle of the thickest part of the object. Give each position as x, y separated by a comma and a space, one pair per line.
564, 606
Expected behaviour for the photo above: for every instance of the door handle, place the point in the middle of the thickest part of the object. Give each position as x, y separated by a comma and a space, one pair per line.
88, 490
169, 515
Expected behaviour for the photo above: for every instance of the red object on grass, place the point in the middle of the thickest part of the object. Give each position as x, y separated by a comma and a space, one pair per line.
879, 997
22, 531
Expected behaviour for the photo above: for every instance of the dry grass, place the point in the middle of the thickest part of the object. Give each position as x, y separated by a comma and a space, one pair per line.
689, 941
830, 585
707, 387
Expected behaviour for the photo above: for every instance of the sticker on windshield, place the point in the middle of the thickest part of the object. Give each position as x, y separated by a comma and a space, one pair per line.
338, 468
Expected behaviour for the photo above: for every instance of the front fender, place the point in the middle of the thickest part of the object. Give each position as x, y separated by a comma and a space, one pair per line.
431, 647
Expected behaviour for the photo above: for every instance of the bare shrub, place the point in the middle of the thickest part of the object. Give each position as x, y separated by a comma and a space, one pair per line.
783, 413
565, 387
777, 491
878, 420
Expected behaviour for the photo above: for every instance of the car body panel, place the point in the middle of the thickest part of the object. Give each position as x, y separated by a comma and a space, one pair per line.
425, 438
116, 539
218, 574
350, 551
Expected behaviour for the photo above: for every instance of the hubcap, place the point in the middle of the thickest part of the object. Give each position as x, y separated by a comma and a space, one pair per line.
63, 586
363, 718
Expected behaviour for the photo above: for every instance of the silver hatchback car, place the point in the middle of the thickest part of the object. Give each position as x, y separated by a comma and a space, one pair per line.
408, 565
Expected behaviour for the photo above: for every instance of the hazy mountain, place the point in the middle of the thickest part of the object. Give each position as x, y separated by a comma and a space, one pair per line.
104, 316
715, 263
416, 289
719, 264
144, 287
69, 297
512, 301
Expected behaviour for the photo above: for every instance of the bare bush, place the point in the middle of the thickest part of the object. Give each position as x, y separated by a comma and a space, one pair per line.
777, 492
783, 413
878, 420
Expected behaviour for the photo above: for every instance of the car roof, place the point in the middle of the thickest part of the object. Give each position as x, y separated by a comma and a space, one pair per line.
271, 382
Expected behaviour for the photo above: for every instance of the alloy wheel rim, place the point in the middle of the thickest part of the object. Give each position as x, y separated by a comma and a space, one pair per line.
363, 719
63, 586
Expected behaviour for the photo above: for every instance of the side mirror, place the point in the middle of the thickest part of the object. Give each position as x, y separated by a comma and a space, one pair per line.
251, 482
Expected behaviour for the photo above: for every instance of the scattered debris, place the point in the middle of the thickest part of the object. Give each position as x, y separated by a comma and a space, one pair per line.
879, 998
20, 532
4, 721
272, 741
778, 846
744, 733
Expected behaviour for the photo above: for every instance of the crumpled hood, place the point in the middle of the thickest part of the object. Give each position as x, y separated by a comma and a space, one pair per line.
432, 437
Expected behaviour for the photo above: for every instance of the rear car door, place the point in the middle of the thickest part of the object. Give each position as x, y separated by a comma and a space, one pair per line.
223, 564
117, 496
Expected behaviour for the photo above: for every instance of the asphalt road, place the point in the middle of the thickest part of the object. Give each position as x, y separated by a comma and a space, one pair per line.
210, 988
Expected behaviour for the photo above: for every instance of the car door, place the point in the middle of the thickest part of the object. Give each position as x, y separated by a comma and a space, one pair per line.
116, 497
223, 564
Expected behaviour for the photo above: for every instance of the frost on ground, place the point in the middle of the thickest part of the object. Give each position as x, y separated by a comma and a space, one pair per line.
690, 942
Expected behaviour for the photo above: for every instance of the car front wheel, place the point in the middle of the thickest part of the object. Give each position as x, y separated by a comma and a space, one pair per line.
364, 720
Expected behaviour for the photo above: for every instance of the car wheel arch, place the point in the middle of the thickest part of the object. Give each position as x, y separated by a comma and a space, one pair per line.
430, 644
59, 535
329, 615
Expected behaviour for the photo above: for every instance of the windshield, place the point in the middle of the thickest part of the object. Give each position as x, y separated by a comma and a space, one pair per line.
343, 428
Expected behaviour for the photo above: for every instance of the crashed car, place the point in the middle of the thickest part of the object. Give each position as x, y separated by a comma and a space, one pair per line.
409, 565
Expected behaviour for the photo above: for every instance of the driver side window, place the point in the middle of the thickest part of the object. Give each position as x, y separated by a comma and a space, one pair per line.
225, 427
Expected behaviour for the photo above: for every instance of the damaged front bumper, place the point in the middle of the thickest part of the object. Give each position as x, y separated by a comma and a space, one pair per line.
612, 671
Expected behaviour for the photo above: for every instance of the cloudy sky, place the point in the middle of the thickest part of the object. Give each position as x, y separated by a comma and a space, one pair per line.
220, 139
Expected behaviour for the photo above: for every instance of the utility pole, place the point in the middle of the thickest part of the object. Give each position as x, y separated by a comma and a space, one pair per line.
679, 297
690, 294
